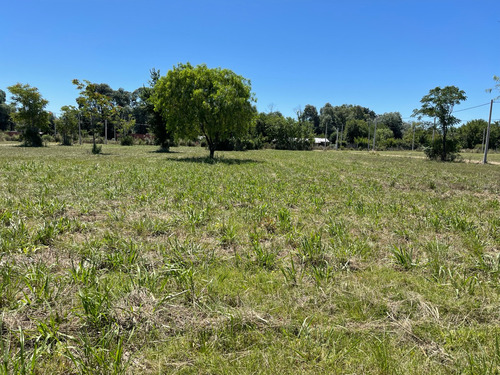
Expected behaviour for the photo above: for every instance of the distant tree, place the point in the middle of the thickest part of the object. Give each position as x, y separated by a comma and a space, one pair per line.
125, 126
287, 133
358, 112
394, 122
419, 134
121, 98
5, 110
339, 116
215, 103
310, 114
328, 119
104, 89
356, 129
327, 124
68, 124
95, 104
31, 116
146, 111
495, 135
383, 135
471, 133
264, 124
122, 101
107, 110
439, 103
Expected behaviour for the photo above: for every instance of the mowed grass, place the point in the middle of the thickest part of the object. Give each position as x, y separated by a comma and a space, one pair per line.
260, 262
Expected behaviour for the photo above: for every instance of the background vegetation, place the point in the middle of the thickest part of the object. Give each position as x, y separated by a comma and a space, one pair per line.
218, 114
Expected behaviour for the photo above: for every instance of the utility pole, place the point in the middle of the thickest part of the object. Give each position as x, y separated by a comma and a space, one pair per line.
482, 143
326, 125
487, 142
374, 134
80, 128
413, 141
341, 132
369, 131
337, 140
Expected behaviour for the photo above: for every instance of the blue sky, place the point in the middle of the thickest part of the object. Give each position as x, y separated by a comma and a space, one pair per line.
384, 55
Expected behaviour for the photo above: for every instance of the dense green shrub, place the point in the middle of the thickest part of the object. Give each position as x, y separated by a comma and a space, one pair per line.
435, 150
362, 142
242, 144
396, 144
13, 137
47, 138
128, 140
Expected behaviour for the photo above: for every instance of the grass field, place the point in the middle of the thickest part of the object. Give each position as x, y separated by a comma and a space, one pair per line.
262, 262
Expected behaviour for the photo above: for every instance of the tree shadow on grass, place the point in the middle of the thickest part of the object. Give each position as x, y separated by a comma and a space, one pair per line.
101, 153
160, 151
217, 160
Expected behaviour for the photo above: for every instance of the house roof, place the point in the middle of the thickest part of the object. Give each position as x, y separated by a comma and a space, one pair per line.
321, 140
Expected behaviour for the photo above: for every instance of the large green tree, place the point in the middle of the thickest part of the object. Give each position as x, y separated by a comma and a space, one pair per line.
30, 115
439, 103
215, 103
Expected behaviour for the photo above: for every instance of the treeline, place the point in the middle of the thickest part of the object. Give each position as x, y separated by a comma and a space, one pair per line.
105, 114
116, 114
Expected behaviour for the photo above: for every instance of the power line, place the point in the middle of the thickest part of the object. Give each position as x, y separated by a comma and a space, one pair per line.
460, 110
466, 109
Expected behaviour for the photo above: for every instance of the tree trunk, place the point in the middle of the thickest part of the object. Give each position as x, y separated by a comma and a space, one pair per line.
210, 142
443, 154
93, 130
165, 146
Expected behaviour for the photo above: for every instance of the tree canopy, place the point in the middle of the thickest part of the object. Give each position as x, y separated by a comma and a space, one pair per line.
355, 129
310, 114
394, 122
215, 103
